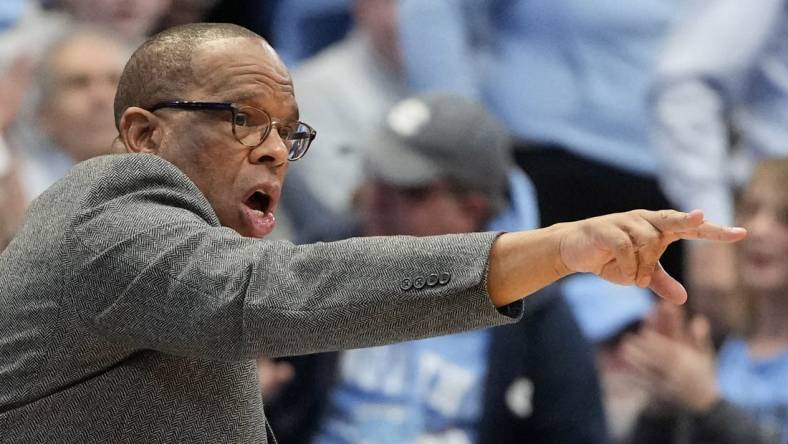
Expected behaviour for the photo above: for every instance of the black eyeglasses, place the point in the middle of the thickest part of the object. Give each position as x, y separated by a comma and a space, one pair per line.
252, 125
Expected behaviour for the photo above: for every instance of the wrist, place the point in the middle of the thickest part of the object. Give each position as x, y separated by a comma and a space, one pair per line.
524, 262
559, 232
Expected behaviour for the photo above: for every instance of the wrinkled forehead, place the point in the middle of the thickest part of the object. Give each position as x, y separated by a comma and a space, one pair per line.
235, 69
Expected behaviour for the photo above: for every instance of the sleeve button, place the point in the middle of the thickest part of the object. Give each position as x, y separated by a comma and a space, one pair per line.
419, 282
432, 279
406, 284
444, 278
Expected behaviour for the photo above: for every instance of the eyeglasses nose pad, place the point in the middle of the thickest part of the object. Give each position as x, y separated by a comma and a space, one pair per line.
272, 148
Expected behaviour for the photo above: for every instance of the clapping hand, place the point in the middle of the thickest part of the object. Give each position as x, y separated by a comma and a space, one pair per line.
673, 359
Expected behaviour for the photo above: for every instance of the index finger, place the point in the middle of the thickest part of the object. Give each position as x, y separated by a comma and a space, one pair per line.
711, 231
672, 220
692, 226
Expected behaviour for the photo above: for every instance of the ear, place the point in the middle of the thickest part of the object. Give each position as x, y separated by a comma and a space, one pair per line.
477, 206
140, 131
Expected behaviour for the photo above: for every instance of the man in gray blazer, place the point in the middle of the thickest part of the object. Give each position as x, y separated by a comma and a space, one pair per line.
136, 297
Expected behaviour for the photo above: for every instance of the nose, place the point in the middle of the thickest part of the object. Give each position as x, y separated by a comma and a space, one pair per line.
273, 151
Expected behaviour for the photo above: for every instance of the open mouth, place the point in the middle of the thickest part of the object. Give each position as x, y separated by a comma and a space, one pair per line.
259, 201
258, 213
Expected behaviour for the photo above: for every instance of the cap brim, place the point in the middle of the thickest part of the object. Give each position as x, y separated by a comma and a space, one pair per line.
603, 309
396, 163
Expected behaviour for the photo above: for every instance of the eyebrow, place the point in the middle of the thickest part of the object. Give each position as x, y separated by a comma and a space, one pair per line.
244, 99
241, 97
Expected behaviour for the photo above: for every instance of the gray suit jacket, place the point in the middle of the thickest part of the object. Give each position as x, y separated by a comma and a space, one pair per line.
127, 313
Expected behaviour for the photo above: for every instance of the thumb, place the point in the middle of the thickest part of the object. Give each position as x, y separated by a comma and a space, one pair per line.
666, 287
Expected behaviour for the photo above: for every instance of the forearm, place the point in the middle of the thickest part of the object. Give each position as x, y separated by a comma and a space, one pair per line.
524, 262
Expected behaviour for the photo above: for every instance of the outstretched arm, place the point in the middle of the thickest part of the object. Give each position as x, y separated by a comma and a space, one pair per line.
622, 248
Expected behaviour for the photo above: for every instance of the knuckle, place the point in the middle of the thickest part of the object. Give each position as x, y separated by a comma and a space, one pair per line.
624, 244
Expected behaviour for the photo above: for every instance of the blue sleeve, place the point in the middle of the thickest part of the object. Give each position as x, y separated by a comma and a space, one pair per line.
700, 74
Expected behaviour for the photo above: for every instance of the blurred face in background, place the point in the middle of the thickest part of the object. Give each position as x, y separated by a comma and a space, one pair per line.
764, 212
76, 110
426, 210
133, 19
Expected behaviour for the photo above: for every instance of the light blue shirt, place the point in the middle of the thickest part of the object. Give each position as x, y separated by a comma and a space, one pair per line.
569, 72
759, 386
410, 392
725, 64
11, 12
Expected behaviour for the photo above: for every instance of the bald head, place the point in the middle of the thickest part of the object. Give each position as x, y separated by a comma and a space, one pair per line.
161, 69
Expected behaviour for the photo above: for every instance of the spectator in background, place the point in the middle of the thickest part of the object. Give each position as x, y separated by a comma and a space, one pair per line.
720, 102
347, 89
569, 78
441, 165
10, 12
181, 12
71, 119
301, 28
12, 87
606, 313
256, 15
15, 71
298, 29
25, 30
131, 19
11, 206
746, 398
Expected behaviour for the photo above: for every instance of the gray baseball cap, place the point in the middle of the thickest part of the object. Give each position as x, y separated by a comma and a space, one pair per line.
438, 135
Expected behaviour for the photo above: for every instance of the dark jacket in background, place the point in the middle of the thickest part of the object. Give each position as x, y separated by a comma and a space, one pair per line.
724, 423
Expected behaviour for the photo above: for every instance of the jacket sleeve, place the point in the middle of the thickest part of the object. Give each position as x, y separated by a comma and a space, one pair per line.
149, 266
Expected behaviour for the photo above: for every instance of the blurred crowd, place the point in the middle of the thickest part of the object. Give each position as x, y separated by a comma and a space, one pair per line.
449, 116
